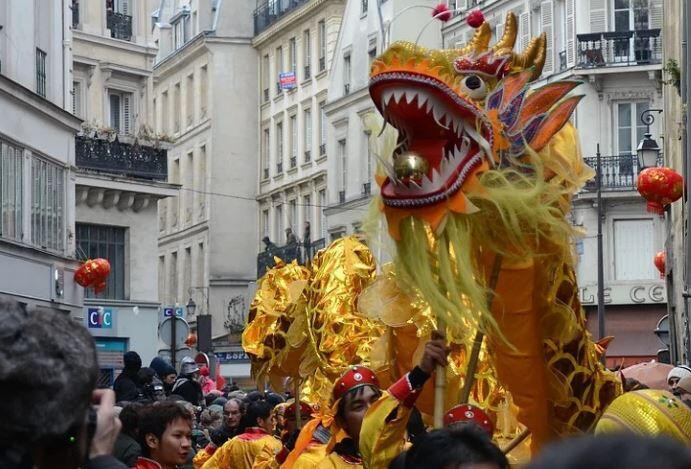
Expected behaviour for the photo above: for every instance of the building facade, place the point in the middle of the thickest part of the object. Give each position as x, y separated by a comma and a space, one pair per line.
615, 49
677, 155
121, 175
351, 115
205, 99
295, 44
37, 177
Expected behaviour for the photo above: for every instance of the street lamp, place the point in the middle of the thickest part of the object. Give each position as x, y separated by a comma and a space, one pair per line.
191, 307
648, 151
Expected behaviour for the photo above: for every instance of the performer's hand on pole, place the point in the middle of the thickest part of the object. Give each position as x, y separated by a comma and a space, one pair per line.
435, 353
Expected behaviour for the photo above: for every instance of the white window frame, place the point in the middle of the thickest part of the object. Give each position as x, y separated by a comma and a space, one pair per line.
12, 204
307, 126
48, 204
126, 119
321, 28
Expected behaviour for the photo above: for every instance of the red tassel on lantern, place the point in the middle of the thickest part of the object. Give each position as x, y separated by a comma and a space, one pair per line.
660, 262
660, 187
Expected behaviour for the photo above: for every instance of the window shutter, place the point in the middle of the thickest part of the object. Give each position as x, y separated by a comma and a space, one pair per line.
598, 16
656, 14
115, 112
125, 7
546, 20
76, 98
570, 29
127, 113
524, 29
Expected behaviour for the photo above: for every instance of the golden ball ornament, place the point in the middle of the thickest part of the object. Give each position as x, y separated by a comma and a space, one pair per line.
649, 412
410, 166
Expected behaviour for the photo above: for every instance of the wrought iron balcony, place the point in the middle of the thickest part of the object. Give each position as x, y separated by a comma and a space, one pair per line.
75, 14
366, 188
619, 48
341, 197
619, 172
266, 173
302, 252
308, 156
307, 72
293, 161
322, 149
279, 167
115, 157
346, 88
120, 25
322, 64
279, 90
266, 95
270, 11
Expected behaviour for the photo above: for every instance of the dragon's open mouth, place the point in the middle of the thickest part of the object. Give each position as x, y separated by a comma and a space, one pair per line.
445, 129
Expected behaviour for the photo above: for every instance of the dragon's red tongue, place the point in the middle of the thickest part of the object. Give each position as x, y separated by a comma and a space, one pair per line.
430, 149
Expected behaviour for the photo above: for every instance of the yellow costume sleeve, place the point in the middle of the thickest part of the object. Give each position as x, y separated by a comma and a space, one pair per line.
333, 461
310, 457
200, 458
220, 459
266, 459
381, 440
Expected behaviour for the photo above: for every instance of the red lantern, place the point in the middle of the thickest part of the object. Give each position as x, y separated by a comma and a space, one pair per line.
100, 287
102, 267
191, 339
660, 187
93, 274
661, 263
475, 19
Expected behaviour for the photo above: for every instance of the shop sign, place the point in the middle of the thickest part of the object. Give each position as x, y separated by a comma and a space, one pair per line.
100, 318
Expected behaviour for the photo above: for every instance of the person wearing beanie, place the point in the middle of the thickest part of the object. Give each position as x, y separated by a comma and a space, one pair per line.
126, 386
187, 385
166, 373
675, 374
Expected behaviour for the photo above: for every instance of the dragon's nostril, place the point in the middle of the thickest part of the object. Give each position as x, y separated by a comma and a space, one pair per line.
473, 82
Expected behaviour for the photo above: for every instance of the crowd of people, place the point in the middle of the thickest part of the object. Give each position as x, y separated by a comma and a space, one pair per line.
157, 418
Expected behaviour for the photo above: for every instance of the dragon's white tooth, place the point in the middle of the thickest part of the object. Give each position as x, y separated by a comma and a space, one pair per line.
387, 96
438, 113
454, 124
435, 175
397, 94
421, 100
410, 95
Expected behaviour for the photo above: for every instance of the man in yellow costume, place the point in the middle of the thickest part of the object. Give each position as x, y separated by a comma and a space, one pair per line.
242, 451
357, 397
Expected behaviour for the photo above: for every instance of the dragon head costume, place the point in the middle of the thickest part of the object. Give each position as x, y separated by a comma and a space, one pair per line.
475, 196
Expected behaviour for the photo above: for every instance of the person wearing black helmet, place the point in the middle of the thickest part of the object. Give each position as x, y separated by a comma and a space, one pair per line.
187, 385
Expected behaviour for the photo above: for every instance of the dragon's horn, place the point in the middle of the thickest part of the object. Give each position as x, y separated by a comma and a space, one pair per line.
532, 56
480, 39
508, 40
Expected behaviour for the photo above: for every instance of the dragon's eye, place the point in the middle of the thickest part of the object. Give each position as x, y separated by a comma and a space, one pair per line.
474, 87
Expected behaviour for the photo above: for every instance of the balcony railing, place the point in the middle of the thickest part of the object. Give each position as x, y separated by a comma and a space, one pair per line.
121, 158
322, 149
341, 197
366, 188
302, 252
308, 156
279, 90
75, 14
266, 95
619, 172
266, 173
279, 167
270, 11
346, 88
293, 161
120, 25
307, 72
322, 64
618, 48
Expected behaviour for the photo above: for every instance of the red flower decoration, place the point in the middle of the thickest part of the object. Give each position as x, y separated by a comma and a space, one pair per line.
475, 19
442, 12
660, 262
660, 187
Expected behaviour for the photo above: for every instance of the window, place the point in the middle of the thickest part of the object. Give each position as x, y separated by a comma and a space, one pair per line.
154, 115
201, 183
279, 148
162, 215
307, 117
307, 51
107, 242
293, 215
372, 50
265, 223
121, 111
173, 293
161, 278
322, 216
182, 30
11, 191
279, 236
343, 158
265, 77
201, 262
175, 201
368, 164
293, 141
279, 69
266, 143
204, 91
188, 186
41, 72
346, 73
189, 99
307, 210
187, 272
47, 205
165, 115
631, 15
293, 51
363, 7
630, 129
322, 129
178, 104
634, 246
322, 45
77, 99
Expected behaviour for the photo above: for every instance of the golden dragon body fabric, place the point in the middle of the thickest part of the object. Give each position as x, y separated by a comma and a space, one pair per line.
482, 175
